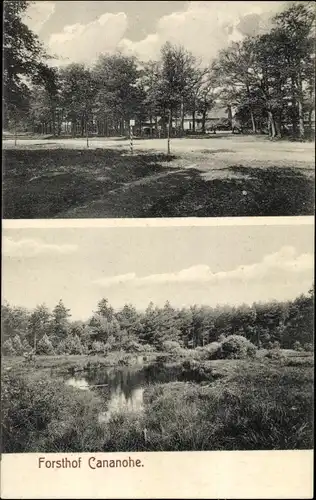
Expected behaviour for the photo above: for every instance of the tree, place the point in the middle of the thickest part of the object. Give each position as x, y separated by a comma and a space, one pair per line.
105, 310
17, 345
234, 70
130, 321
178, 75
39, 324
44, 346
296, 28
77, 93
71, 345
60, 322
118, 96
7, 348
23, 58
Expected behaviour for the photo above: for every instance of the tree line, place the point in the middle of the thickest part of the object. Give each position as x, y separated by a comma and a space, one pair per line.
265, 82
288, 323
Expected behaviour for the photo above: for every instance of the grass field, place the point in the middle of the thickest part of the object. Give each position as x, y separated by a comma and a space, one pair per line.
216, 176
251, 404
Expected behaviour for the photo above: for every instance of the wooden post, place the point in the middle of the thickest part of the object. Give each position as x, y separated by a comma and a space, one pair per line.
131, 124
131, 138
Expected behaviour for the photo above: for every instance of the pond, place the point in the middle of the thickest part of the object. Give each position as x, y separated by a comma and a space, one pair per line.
123, 387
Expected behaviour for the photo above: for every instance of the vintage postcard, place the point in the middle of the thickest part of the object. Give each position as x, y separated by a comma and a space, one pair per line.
158, 249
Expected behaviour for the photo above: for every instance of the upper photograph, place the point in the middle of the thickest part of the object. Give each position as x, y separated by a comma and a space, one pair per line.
158, 109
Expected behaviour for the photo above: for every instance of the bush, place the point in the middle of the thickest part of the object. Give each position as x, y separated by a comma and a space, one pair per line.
44, 415
214, 350
8, 349
171, 346
308, 347
236, 347
132, 346
275, 354
26, 346
297, 346
221, 338
71, 345
199, 353
99, 348
17, 345
45, 346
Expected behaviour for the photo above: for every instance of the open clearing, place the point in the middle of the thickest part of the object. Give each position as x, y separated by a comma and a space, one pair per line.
214, 176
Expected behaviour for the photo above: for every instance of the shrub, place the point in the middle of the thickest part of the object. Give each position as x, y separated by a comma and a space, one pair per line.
199, 353
98, 347
308, 347
297, 346
132, 346
44, 415
26, 346
45, 346
170, 345
214, 349
8, 349
237, 346
275, 354
17, 345
163, 358
71, 345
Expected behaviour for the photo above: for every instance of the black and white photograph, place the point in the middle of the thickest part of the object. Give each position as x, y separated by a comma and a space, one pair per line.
158, 201
158, 109
171, 346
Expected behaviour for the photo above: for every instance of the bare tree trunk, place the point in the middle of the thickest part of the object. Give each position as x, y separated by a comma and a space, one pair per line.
294, 107
278, 122
164, 122
73, 128
169, 127
182, 116
53, 123
203, 121
310, 124
301, 118
87, 131
253, 122
300, 108
15, 132
193, 120
271, 124
230, 116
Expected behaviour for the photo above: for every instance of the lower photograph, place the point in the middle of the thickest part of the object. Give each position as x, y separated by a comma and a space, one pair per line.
157, 338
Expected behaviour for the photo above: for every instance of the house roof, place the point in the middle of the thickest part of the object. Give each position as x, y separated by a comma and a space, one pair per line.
214, 114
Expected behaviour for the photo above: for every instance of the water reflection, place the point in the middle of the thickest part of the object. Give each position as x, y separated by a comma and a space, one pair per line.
122, 388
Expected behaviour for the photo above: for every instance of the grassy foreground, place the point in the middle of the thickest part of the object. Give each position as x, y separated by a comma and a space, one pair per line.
74, 183
240, 405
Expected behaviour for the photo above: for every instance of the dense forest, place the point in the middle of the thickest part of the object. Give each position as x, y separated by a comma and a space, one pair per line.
287, 324
267, 79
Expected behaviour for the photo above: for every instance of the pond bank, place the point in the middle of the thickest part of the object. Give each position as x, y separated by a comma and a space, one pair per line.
235, 412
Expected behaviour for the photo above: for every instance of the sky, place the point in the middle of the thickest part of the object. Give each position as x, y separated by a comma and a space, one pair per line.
78, 31
185, 265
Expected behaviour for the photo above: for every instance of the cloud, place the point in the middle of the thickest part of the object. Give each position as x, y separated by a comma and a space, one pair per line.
205, 27
283, 266
84, 42
38, 14
30, 248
